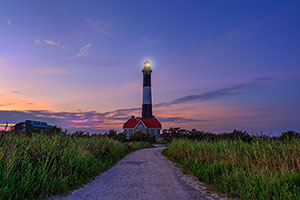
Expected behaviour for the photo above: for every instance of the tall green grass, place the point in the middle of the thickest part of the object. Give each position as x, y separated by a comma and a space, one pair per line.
262, 169
37, 166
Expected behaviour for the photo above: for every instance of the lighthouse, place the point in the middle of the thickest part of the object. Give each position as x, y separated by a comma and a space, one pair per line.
147, 99
147, 123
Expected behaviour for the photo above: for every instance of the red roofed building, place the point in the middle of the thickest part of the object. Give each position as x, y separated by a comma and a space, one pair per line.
147, 123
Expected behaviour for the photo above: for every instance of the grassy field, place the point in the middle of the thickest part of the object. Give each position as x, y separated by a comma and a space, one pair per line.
36, 166
261, 169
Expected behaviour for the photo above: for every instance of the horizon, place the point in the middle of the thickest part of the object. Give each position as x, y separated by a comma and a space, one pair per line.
217, 66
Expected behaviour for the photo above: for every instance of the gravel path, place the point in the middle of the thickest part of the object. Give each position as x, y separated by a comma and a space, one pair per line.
142, 175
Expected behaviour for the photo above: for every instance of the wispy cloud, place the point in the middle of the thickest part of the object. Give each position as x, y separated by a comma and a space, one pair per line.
101, 26
83, 50
70, 120
37, 41
146, 40
15, 92
51, 71
99, 63
220, 93
66, 14
7, 104
180, 120
59, 43
50, 42
11, 92
210, 95
120, 114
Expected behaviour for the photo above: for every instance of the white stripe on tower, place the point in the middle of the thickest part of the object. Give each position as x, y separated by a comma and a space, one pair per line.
147, 95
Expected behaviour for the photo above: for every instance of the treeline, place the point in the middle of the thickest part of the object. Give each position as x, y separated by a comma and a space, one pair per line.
170, 134
178, 133
137, 136
167, 135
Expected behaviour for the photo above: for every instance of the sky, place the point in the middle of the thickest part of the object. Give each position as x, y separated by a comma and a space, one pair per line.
217, 65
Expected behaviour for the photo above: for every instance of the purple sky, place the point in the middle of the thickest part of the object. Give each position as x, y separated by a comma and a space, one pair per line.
217, 65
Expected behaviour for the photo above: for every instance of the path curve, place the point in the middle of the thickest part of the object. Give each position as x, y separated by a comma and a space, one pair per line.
142, 175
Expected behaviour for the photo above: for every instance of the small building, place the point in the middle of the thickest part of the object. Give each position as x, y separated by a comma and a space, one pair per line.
146, 125
30, 125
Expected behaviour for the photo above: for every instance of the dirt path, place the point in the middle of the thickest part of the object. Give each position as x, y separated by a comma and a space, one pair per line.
142, 175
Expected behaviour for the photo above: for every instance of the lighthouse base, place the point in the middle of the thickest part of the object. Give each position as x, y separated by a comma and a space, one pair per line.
145, 125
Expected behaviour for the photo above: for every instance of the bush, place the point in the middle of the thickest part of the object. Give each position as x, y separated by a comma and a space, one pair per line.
289, 135
140, 136
235, 135
113, 134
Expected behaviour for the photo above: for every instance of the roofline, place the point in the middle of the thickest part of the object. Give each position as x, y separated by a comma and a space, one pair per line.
141, 120
142, 123
158, 121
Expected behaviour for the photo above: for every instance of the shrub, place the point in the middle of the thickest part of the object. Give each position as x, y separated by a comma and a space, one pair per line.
235, 135
141, 136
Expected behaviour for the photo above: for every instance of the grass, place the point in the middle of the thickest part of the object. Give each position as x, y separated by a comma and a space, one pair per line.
36, 166
262, 169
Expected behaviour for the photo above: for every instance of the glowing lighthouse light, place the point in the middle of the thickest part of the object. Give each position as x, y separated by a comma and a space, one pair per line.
147, 63
147, 67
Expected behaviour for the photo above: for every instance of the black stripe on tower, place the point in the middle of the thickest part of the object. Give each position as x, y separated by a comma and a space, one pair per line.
147, 79
147, 111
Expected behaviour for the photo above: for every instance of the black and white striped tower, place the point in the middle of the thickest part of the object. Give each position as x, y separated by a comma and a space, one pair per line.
147, 99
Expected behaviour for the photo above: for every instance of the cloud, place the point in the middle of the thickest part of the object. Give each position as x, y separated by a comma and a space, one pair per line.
7, 104
99, 63
88, 121
50, 42
71, 120
11, 92
51, 71
8, 21
3, 126
85, 47
66, 14
101, 26
180, 119
95, 121
146, 40
120, 114
83, 50
37, 41
58, 43
220, 93
15, 92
